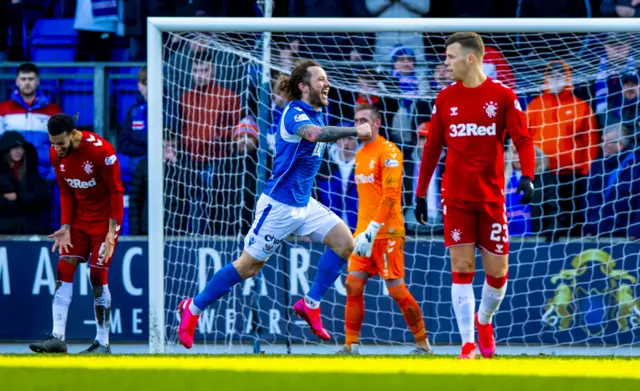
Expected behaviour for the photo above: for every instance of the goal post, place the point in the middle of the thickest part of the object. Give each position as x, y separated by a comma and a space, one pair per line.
190, 254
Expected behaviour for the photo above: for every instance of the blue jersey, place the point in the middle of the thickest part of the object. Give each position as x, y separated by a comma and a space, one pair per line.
297, 159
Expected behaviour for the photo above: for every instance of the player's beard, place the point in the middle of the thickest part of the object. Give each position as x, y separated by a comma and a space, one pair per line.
68, 150
316, 98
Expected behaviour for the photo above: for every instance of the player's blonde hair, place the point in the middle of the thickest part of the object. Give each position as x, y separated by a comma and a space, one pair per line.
468, 41
287, 86
375, 113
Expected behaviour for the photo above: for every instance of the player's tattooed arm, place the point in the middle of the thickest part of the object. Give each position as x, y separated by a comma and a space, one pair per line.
113, 226
325, 134
65, 227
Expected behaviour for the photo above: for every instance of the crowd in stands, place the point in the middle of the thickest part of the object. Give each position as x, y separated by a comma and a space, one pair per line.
586, 132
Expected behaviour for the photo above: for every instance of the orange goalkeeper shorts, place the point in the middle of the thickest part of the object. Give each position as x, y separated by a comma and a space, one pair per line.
387, 259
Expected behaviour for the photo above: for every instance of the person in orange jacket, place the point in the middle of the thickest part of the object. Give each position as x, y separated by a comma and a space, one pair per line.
565, 128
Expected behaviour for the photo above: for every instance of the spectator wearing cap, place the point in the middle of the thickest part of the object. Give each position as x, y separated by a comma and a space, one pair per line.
28, 111
613, 200
335, 184
564, 128
404, 73
411, 85
24, 193
618, 60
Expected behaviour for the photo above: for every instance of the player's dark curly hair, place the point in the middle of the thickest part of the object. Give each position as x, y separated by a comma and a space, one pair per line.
287, 86
60, 123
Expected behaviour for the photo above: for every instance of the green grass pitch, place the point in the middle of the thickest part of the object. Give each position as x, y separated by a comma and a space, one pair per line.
306, 373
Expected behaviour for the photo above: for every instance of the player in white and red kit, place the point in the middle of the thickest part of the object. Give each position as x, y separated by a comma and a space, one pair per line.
91, 198
471, 117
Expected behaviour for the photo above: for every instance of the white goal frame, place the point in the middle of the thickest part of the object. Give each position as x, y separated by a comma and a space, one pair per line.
157, 25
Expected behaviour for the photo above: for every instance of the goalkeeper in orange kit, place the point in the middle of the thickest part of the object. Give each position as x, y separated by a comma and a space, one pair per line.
379, 234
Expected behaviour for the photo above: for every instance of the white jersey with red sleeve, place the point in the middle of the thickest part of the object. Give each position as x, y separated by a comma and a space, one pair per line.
472, 123
89, 179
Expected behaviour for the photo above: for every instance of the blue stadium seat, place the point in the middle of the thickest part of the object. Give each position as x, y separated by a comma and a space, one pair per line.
53, 40
76, 96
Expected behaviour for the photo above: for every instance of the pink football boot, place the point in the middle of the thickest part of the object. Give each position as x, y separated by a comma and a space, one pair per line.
312, 317
486, 339
188, 323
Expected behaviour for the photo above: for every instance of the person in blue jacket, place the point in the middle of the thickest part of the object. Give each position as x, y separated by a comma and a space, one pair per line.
335, 184
613, 189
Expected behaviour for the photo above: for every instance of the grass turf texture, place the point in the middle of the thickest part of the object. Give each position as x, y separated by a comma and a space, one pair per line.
194, 373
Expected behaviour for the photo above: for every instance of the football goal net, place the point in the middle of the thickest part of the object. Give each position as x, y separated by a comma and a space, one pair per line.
213, 120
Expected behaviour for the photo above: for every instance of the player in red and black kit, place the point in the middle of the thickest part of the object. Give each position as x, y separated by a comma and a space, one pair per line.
91, 198
471, 117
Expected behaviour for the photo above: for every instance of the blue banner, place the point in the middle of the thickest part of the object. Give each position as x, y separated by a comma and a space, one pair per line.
577, 292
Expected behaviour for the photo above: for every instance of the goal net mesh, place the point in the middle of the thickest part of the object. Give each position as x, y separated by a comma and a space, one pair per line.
573, 268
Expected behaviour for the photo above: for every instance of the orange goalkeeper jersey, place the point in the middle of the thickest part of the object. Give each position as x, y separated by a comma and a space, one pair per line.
378, 176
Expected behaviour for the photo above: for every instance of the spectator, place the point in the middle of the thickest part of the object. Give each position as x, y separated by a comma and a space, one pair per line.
496, 66
441, 77
97, 22
23, 193
180, 195
11, 19
433, 191
28, 112
629, 112
412, 110
554, 9
132, 140
539, 217
331, 46
234, 188
563, 127
335, 183
618, 60
620, 8
398, 9
368, 88
473, 9
208, 113
613, 200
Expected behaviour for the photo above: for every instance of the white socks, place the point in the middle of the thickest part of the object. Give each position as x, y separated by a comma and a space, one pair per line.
491, 299
464, 303
61, 301
102, 306
193, 309
311, 303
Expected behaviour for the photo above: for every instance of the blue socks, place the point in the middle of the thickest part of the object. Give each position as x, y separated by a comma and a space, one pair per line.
219, 285
329, 269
